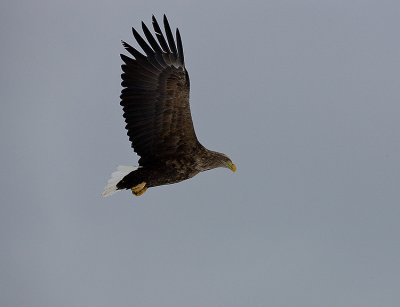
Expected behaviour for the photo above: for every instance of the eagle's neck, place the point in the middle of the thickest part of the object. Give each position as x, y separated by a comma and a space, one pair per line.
209, 159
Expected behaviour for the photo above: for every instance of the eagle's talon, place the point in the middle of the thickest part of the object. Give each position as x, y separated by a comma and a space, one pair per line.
141, 192
139, 189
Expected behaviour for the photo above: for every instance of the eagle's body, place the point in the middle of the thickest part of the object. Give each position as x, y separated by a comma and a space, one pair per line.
155, 100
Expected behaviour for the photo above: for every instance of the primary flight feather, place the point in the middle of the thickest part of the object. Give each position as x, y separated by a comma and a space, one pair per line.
155, 102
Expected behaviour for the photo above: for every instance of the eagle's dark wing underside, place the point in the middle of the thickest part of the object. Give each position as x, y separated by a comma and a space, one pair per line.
155, 97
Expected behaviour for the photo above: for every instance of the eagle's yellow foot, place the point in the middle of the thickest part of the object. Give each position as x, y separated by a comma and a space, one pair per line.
141, 192
139, 189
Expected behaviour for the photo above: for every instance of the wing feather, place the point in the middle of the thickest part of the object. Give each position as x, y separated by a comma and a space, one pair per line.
180, 48
142, 43
156, 47
160, 36
170, 38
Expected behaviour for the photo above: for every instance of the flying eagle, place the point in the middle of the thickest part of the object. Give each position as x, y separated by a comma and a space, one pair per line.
155, 102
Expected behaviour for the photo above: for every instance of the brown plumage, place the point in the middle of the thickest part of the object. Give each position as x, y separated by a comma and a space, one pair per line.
155, 101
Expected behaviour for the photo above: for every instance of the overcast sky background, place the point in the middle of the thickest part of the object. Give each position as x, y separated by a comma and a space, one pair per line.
304, 96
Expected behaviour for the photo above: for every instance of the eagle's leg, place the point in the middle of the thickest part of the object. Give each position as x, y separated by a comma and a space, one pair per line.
141, 192
139, 189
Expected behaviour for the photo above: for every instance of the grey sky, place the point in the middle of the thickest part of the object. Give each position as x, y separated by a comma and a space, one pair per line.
302, 95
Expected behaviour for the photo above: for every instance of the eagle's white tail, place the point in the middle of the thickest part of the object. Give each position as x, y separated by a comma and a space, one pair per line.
116, 177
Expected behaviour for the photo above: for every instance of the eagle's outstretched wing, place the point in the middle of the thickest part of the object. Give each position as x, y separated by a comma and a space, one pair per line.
155, 97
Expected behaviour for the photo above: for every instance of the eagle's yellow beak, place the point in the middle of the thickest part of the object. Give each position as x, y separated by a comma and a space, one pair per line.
231, 166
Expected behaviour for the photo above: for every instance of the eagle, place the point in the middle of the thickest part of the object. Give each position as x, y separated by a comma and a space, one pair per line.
155, 102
